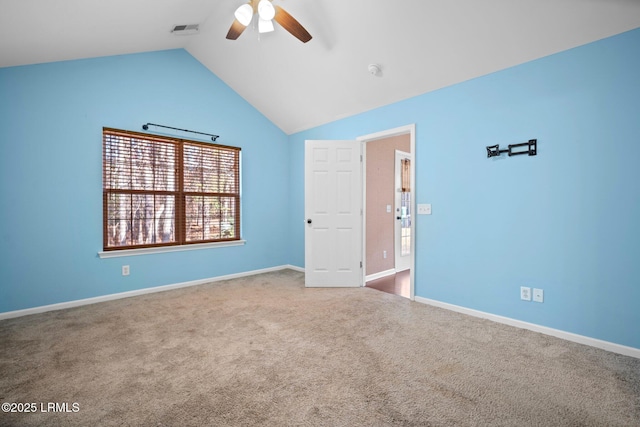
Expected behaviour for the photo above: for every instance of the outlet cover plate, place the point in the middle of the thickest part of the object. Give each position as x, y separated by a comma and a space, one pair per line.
538, 295
525, 293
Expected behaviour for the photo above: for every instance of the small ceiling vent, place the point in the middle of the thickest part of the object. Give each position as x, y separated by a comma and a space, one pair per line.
185, 30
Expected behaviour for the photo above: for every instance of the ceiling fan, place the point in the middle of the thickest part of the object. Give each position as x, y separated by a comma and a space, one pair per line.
266, 12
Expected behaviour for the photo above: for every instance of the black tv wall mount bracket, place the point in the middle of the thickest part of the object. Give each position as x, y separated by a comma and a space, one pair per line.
514, 149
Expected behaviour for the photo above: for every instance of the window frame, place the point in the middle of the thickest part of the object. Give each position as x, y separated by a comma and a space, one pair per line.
181, 238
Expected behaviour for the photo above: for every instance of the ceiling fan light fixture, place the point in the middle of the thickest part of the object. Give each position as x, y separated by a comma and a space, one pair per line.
266, 10
265, 26
244, 14
267, 13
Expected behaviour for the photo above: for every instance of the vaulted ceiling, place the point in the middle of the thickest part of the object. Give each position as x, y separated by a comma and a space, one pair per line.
420, 45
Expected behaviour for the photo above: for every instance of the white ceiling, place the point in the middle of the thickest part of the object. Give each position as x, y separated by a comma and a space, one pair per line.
421, 45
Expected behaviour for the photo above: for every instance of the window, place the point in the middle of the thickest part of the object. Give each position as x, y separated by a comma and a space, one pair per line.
161, 191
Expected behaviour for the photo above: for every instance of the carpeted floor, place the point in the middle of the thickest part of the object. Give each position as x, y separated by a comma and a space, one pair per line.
265, 351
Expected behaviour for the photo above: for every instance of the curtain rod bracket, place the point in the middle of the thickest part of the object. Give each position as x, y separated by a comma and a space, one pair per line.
213, 137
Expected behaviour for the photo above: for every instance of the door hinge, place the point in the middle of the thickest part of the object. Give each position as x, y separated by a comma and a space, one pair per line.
360, 158
360, 264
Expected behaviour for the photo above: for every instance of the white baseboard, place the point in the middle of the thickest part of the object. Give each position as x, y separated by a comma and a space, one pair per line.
380, 275
293, 267
120, 295
580, 339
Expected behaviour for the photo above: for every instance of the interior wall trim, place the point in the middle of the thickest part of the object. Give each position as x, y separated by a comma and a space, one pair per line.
569, 336
380, 274
120, 295
292, 267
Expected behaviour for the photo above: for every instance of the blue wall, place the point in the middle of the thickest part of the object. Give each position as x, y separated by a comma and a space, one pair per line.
566, 221
51, 119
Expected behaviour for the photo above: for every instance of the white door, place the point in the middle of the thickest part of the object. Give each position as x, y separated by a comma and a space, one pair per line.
403, 214
333, 214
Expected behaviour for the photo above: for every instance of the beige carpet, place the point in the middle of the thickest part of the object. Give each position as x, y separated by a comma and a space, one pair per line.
265, 351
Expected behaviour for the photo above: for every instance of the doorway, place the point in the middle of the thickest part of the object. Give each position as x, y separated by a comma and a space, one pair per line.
388, 205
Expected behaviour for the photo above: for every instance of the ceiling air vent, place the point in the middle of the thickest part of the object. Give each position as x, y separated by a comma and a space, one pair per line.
185, 30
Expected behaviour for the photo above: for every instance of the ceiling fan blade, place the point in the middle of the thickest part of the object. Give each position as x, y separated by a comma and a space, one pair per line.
290, 24
236, 29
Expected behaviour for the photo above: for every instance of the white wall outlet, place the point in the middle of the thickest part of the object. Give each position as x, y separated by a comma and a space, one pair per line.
525, 293
384, 254
424, 209
125, 270
538, 295
388, 208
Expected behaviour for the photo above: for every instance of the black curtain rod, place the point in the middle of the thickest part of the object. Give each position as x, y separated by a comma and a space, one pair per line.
213, 137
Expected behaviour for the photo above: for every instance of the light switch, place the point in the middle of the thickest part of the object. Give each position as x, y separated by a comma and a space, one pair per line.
424, 209
388, 208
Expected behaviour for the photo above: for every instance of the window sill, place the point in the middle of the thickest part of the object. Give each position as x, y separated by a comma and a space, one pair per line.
147, 251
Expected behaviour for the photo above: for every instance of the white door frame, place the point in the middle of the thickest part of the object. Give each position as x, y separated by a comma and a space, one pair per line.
402, 130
